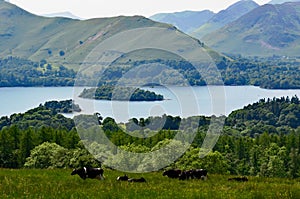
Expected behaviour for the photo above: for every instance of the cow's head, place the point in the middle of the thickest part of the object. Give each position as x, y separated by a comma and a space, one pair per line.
74, 172
165, 173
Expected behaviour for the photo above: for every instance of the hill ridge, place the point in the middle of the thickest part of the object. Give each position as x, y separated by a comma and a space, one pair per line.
59, 40
225, 17
265, 31
187, 21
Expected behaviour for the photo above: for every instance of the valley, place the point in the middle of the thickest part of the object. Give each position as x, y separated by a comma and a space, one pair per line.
134, 95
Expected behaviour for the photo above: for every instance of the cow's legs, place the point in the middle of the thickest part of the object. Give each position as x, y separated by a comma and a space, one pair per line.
99, 177
102, 177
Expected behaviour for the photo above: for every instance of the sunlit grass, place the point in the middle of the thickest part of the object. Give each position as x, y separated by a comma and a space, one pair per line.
60, 184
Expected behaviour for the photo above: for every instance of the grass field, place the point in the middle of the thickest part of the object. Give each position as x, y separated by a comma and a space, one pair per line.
60, 184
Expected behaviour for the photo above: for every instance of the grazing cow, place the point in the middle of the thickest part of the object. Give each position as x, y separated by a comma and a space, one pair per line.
88, 172
123, 178
137, 179
185, 175
239, 179
198, 173
172, 173
193, 174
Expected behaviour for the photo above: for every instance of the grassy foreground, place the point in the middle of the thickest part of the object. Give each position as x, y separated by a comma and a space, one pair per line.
28, 183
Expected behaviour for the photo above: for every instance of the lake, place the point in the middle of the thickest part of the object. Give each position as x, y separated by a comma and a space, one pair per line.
180, 101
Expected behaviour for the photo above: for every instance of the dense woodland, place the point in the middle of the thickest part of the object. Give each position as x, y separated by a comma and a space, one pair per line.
272, 73
262, 139
21, 72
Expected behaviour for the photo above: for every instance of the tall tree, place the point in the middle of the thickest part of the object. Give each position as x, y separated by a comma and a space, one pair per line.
6, 148
26, 144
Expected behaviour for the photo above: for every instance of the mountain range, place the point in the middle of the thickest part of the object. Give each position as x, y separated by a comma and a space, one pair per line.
264, 31
225, 17
281, 1
187, 21
67, 41
63, 14
248, 29
200, 23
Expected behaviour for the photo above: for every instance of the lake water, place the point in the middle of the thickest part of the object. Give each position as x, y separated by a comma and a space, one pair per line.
180, 101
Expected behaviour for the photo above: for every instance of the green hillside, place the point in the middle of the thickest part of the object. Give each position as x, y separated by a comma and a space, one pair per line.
62, 40
265, 31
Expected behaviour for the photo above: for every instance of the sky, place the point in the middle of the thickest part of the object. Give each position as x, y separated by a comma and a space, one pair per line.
107, 8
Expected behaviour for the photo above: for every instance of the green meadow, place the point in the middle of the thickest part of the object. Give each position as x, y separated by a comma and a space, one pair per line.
58, 183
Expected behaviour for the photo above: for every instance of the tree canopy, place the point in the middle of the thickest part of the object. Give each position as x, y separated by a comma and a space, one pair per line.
109, 92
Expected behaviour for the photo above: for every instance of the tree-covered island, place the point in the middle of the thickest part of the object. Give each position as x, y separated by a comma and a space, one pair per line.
109, 92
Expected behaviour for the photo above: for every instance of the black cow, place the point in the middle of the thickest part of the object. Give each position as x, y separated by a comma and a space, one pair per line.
199, 173
185, 175
239, 179
193, 174
137, 179
88, 172
123, 178
172, 173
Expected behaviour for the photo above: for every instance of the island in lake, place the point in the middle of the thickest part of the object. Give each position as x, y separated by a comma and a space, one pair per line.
109, 92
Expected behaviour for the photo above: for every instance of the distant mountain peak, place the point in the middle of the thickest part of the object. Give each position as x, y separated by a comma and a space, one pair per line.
225, 17
235, 11
10, 9
186, 21
265, 31
282, 1
66, 14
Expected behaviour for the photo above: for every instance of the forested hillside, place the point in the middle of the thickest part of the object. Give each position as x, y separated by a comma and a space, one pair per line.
261, 139
47, 115
273, 113
271, 73
22, 72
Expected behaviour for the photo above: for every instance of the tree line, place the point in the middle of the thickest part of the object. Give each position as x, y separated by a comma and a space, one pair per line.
271, 73
252, 141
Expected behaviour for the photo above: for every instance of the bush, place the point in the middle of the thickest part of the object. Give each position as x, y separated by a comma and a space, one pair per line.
48, 155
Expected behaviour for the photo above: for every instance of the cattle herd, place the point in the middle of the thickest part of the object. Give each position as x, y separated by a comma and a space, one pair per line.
97, 173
